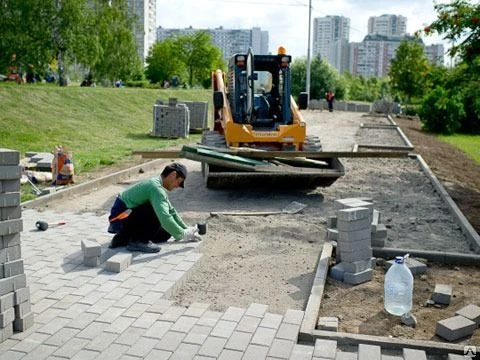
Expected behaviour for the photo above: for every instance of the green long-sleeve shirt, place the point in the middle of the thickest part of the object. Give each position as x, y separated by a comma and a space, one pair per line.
152, 190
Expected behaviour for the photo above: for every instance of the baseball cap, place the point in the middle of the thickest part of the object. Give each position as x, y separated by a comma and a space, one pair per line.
180, 169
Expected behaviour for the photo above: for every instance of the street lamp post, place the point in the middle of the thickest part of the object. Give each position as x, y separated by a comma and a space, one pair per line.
307, 85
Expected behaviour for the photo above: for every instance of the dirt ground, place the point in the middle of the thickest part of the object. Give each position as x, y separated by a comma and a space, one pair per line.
272, 259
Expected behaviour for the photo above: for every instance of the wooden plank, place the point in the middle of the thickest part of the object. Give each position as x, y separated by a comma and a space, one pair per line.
174, 154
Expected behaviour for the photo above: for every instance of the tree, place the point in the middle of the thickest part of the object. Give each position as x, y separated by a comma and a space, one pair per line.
408, 70
163, 62
192, 56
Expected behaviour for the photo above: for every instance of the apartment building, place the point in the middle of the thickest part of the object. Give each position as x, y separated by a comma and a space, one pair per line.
230, 41
388, 25
145, 28
330, 40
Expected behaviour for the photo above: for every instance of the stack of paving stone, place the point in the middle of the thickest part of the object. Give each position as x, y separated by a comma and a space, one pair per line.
172, 120
15, 307
91, 252
353, 223
198, 114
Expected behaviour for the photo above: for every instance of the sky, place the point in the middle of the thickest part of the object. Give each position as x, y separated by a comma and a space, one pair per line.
287, 20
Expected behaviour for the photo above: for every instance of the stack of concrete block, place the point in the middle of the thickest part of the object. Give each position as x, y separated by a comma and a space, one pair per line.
172, 120
463, 324
15, 308
198, 114
91, 252
378, 229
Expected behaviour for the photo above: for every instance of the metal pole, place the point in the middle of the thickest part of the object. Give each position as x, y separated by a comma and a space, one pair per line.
307, 85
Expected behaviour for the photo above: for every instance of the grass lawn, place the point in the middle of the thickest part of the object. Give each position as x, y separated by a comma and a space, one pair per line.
469, 144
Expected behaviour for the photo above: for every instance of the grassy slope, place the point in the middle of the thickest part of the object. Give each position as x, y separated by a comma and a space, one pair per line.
469, 144
100, 125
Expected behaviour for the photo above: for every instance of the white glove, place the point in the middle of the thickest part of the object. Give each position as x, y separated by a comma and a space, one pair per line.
191, 234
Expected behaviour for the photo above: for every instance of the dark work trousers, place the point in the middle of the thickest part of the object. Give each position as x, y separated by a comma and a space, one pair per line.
141, 225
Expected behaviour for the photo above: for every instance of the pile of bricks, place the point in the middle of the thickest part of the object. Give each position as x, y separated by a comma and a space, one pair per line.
356, 227
198, 114
91, 252
15, 308
172, 120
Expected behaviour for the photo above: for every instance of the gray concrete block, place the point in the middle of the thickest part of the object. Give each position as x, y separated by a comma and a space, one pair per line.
471, 312
380, 232
8, 227
9, 240
9, 157
415, 266
10, 213
378, 243
376, 219
6, 302
9, 199
12, 268
332, 234
337, 272
353, 236
369, 352
325, 349
349, 246
23, 323
21, 295
357, 266
455, 328
358, 278
91, 248
91, 261
7, 317
22, 309
10, 172
6, 332
353, 214
442, 294
332, 222
118, 262
6, 286
363, 254
354, 225
327, 323
414, 354
9, 185
10, 253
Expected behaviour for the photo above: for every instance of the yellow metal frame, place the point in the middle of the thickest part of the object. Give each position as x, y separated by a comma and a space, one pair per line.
238, 134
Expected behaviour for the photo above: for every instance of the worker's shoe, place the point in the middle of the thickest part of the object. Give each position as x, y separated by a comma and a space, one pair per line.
118, 240
143, 247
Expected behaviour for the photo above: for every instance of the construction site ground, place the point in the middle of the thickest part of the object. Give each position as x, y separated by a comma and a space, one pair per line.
272, 259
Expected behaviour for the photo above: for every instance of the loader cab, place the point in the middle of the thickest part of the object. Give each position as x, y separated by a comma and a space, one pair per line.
259, 88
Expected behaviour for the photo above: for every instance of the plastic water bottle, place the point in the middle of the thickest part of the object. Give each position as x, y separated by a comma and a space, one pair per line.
398, 288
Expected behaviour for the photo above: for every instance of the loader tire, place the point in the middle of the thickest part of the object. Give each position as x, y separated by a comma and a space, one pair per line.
312, 143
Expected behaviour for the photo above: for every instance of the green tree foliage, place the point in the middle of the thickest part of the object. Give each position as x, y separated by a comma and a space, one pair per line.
365, 89
323, 77
408, 70
118, 58
456, 92
163, 62
192, 57
96, 34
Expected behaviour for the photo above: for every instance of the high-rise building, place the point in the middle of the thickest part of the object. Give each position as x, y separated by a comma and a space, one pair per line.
435, 53
330, 40
230, 41
145, 12
388, 25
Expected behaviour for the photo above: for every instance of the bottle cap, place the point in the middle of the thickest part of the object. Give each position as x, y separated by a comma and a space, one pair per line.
399, 259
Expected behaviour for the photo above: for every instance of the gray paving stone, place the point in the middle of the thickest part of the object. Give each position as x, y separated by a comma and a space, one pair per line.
238, 341
158, 355
228, 354
233, 313
327, 323
185, 351
325, 348
272, 321
120, 324
197, 335
471, 312
281, 348
92, 330
196, 309
142, 347
146, 320
173, 313
170, 341
288, 332
61, 337
209, 318
369, 352
30, 343
131, 335
7, 317
255, 352
71, 347
442, 294
293, 316
302, 352
184, 324
263, 336
6, 301
41, 352
248, 323
455, 328
256, 310
224, 328
414, 354
212, 346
